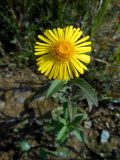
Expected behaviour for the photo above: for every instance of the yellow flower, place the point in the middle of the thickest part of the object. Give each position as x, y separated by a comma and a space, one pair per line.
61, 53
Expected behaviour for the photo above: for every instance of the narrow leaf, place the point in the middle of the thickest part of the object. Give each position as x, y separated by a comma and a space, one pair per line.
70, 110
55, 86
62, 133
62, 120
100, 16
41, 92
65, 110
77, 135
78, 118
88, 92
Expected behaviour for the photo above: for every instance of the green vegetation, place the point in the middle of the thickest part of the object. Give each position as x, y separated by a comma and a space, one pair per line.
21, 22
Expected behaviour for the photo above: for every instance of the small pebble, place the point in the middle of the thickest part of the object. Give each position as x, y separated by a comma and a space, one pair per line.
87, 124
105, 135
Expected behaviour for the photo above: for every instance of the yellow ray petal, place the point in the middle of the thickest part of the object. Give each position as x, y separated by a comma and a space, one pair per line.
53, 71
60, 33
82, 40
48, 35
69, 32
76, 34
77, 65
84, 44
40, 53
83, 57
38, 59
49, 68
48, 65
56, 33
45, 58
60, 76
69, 70
56, 70
65, 72
66, 32
41, 65
41, 49
50, 76
83, 49
44, 39
81, 65
74, 69
42, 44
53, 35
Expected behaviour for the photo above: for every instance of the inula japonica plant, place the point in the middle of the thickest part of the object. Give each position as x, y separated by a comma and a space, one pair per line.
61, 55
53, 53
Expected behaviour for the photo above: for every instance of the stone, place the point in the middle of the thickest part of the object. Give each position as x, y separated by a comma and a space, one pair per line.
105, 135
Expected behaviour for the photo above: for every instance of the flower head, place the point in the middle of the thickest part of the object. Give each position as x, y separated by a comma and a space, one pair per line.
61, 53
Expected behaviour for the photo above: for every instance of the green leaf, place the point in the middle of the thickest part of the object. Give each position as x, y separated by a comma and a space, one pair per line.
50, 128
65, 110
24, 146
78, 135
54, 126
62, 134
40, 93
100, 16
57, 112
62, 120
61, 152
78, 118
88, 92
61, 95
55, 87
42, 154
70, 110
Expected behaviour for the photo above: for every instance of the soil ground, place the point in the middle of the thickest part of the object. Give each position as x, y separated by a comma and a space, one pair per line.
18, 120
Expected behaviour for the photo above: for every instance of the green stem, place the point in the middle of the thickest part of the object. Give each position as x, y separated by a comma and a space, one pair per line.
70, 110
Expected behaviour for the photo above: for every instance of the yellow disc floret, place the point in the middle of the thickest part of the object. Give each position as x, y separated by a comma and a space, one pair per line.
63, 50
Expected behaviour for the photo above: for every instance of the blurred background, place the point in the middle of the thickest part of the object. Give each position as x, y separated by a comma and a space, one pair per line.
20, 23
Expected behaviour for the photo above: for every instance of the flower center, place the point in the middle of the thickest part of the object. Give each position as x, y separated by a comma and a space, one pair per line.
63, 50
